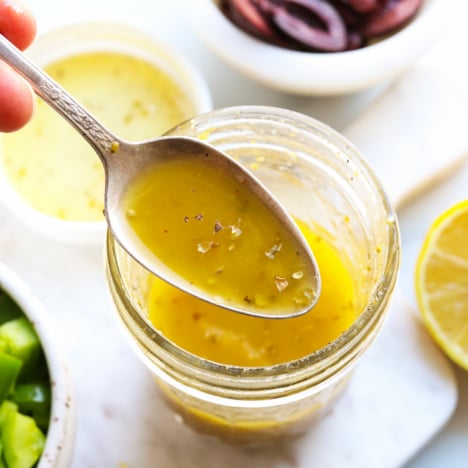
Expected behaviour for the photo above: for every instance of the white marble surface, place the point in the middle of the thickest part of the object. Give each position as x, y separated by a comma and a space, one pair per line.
120, 418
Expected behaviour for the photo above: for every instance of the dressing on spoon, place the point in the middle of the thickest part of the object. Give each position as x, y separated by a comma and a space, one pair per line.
271, 274
217, 235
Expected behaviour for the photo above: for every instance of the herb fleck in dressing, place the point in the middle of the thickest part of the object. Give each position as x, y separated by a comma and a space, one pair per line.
234, 339
210, 230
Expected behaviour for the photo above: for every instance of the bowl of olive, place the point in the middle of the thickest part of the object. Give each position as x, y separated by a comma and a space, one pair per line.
320, 47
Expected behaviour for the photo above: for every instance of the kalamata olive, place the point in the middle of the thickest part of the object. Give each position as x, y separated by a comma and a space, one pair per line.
393, 15
246, 15
364, 6
327, 34
350, 17
354, 41
320, 25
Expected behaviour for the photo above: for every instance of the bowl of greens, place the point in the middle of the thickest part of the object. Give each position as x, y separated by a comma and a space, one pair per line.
36, 401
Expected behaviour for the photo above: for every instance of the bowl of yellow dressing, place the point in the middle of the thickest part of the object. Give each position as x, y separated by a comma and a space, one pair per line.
134, 84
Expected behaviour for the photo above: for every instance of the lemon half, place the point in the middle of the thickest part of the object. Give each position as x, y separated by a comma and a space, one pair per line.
441, 282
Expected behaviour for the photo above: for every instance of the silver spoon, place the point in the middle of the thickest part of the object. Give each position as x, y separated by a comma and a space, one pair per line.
124, 161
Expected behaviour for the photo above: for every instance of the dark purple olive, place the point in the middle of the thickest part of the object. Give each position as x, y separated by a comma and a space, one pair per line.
318, 25
354, 41
393, 15
247, 16
364, 6
350, 17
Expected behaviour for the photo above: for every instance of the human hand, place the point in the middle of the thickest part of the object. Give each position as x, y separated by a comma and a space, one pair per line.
17, 24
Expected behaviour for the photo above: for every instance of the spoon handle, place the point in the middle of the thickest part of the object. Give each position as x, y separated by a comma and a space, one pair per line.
102, 140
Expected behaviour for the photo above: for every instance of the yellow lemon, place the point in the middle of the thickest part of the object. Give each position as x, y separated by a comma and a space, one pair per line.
441, 282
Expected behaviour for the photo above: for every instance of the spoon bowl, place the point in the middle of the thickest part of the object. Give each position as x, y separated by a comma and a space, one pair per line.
125, 163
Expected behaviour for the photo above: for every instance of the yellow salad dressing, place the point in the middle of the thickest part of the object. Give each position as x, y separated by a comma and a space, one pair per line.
208, 228
51, 165
234, 339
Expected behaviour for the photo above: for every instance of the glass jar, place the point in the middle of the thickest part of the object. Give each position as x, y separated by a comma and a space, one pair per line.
321, 179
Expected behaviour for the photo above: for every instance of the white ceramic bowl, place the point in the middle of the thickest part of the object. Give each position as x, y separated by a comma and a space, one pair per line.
61, 434
91, 36
309, 73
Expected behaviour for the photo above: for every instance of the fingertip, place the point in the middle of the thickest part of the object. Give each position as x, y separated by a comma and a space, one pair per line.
16, 100
17, 23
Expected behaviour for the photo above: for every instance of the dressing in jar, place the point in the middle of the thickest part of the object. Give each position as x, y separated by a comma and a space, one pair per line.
250, 380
